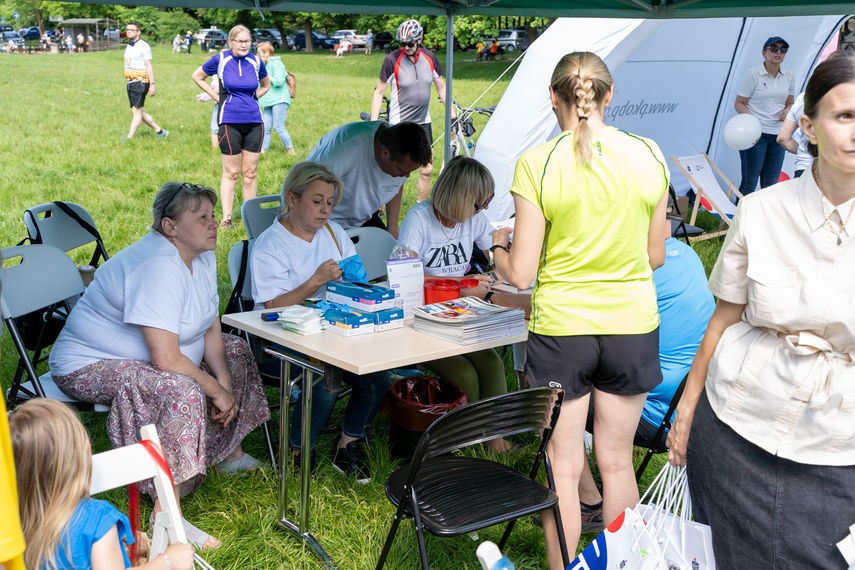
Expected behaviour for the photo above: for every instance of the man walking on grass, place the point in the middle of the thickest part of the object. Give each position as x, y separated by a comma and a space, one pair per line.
140, 77
411, 70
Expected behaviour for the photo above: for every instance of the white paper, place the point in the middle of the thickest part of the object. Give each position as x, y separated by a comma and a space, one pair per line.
407, 279
509, 223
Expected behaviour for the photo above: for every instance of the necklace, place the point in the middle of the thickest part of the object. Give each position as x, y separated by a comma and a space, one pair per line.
832, 227
454, 231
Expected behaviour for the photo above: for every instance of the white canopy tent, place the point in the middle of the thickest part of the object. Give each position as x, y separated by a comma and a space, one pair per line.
675, 82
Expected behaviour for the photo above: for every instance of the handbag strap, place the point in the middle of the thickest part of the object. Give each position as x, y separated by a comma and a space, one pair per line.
340, 254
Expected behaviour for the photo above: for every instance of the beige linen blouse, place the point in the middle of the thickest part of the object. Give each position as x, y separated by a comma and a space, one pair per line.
783, 377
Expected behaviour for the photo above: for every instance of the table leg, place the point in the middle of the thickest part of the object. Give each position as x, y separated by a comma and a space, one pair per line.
300, 530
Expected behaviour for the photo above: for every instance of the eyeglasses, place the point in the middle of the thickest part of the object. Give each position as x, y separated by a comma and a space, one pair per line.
242, 42
775, 49
409, 44
483, 203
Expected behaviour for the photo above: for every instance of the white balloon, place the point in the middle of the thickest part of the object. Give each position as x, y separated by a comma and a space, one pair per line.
742, 131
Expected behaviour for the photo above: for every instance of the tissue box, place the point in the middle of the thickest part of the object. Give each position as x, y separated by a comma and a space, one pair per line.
362, 297
349, 324
388, 319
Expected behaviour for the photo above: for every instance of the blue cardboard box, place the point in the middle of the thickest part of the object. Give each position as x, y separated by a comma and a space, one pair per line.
388, 319
361, 297
349, 324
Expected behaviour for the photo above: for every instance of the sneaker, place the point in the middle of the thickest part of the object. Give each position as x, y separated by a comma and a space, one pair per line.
126, 139
313, 462
351, 460
163, 134
592, 518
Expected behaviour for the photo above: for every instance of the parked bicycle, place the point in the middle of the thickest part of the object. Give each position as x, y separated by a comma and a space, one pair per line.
463, 128
384, 112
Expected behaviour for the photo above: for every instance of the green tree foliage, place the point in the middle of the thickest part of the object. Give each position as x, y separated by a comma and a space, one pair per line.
174, 22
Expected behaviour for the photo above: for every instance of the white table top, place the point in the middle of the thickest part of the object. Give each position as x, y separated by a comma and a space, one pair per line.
363, 354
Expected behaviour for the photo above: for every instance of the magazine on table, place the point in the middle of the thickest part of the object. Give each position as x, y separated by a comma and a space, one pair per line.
463, 310
468, 320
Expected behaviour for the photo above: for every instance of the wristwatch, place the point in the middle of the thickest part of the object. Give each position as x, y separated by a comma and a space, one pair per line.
489, 296
494, 248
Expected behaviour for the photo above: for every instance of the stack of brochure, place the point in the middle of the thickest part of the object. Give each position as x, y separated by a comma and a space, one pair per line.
302, 320
468, 320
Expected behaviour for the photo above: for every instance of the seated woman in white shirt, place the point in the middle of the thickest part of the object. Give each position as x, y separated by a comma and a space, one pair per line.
771, 392
145, 339
443, 231
293, 260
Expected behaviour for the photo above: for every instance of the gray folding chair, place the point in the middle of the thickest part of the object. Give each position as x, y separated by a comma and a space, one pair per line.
44, 280
373, 246
64, 225
258, 213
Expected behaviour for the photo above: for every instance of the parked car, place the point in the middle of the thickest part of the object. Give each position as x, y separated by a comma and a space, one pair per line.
212, 39
319, 40
473, 42
357, 40
383, 39
32, 33
268, 35
513, 40
15, 37
6, 28
114, 34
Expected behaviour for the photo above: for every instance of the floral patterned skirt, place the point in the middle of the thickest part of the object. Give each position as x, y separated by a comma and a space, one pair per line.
139, 395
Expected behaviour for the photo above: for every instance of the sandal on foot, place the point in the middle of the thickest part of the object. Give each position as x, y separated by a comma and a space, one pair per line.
227, 224
197, 537
246, 463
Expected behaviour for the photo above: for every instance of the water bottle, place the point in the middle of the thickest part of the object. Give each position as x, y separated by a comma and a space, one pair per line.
491, 557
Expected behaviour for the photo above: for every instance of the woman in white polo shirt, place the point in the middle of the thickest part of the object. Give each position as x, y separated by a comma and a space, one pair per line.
766, 92
770, 399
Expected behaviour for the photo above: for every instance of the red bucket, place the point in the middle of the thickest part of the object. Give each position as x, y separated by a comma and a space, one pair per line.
438, 290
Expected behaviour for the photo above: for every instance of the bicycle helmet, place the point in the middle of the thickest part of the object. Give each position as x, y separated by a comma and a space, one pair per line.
410, 31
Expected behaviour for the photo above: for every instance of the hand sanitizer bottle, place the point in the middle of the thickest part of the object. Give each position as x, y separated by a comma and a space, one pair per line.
491, 557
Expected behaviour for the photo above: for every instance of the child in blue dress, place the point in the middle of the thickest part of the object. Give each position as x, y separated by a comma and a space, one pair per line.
65, 528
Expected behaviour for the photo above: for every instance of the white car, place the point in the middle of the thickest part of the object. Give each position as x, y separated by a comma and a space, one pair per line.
357, 40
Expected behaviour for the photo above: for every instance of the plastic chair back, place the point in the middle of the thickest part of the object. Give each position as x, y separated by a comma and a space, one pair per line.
373, 246
259, 213
45, 276
133, 463
48, 224
236, 259
491, 418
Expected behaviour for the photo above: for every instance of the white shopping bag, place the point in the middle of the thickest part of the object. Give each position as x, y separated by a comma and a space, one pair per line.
624, 544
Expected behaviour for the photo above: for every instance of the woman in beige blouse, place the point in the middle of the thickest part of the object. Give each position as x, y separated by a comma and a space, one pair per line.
771, 392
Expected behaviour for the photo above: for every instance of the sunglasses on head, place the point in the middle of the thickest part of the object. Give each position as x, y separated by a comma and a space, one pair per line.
483, 203
775, 49
186, 186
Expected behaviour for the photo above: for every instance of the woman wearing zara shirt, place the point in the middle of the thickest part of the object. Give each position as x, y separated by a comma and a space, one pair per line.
767, 93
243, 79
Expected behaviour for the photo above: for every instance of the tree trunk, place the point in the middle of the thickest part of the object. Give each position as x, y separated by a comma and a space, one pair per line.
40, 21
310, 44
530, 31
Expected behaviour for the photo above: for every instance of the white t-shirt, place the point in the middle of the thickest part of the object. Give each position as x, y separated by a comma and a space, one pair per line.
280, 261
445, 251
135, 57
146, 284
803, 157
349, 152
767, 95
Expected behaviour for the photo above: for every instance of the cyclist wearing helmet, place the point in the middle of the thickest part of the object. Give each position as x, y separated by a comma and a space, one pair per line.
410, 70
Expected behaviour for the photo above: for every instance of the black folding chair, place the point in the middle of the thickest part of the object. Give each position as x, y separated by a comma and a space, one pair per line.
448, 495
658, 443
678, 224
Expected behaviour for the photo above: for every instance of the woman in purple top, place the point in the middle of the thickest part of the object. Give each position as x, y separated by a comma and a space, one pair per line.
243, 80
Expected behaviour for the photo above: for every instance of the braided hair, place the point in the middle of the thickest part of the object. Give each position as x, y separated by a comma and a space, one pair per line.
581, 80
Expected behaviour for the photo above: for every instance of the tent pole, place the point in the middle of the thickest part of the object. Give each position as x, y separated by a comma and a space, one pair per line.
449, 67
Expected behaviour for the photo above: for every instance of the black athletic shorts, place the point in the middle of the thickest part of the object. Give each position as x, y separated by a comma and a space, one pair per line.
238, 137
626, 365
137, 90
428, 130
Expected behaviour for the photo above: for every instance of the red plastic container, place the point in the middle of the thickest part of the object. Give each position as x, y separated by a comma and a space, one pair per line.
438, 290
465, 283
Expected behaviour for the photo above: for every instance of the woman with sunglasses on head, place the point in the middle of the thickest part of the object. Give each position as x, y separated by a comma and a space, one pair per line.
766, 92
443, 231
590, 206
145, 340
243, 80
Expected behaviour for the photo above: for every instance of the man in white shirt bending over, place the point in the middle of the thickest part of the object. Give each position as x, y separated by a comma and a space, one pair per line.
373, 161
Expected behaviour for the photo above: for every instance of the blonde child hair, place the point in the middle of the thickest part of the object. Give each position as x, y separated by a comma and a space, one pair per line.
461, 183
53, 463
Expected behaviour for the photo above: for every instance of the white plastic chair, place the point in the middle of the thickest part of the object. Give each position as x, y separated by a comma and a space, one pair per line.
258, 213
49, 224
700, 171
131, 464
45, 277
373, 247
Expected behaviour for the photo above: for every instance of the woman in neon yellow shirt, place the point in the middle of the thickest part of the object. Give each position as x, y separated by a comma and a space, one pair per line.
590, 207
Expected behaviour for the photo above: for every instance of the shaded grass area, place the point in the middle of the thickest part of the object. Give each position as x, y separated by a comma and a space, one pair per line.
62, 119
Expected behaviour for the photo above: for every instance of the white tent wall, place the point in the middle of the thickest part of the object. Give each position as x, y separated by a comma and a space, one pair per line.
675, 82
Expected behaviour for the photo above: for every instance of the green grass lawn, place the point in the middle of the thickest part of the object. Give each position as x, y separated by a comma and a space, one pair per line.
62, 119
